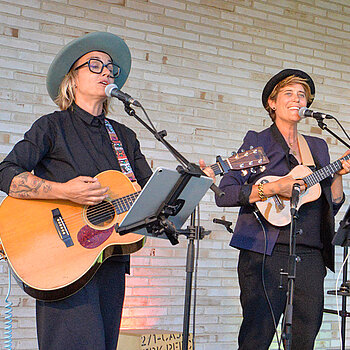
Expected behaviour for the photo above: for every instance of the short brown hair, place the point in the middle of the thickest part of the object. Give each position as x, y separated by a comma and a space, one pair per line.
291, 80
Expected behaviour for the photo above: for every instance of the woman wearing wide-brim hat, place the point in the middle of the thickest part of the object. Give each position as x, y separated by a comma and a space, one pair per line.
59, 158
264, 246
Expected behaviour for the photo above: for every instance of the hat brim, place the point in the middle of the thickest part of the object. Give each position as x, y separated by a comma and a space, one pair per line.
270, 85
108, 43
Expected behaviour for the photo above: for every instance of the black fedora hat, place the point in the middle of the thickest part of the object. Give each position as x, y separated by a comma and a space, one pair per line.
108, 43
270, 85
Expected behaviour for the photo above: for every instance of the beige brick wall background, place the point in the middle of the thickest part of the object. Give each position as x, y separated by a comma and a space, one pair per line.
199, 67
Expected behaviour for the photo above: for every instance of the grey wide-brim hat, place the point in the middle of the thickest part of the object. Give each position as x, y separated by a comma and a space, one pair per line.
270, 85
108, 43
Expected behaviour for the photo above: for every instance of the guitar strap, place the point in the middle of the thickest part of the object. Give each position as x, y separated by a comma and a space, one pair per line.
306, 156
119, 152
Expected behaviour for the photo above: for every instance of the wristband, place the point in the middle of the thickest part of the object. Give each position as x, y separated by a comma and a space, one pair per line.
261, 192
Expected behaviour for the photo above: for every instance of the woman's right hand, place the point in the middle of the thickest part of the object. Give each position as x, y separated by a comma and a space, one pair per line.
283, 187
84, 190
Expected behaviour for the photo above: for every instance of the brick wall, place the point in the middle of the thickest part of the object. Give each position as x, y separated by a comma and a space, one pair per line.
199, 67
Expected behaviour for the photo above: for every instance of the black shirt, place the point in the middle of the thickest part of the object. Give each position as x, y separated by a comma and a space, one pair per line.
310, 214
66, 144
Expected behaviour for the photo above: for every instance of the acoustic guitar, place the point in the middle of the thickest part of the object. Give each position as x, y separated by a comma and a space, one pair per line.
276, 209
54, 247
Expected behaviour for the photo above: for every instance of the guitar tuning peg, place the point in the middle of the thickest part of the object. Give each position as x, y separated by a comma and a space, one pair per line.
252, 170
242, 151
233, 153
244, 172
251, 147
262, 168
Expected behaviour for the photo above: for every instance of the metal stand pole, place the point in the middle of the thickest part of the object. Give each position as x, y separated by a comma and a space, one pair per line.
192, 232
292, 266
344, 293
343, 309
188, 288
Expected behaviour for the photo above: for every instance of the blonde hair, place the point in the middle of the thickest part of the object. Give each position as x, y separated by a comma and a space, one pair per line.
66, 92
291, 80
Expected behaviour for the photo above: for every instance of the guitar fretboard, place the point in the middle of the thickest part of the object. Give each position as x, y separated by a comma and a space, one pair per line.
217, 169
229, 163
323, 173
123, 204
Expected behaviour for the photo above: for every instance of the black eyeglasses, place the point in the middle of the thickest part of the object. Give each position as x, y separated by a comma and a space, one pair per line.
96, 66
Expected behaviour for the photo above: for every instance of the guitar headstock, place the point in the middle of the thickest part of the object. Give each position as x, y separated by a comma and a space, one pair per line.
248, 159
251, 159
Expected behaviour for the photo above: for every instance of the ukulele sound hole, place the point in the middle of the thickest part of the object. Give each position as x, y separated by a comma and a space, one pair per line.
101, 214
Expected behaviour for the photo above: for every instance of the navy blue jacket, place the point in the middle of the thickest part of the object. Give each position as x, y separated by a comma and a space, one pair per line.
248, 233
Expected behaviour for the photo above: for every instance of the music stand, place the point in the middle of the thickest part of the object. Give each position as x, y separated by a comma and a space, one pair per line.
170, 194
342, 238
159, 198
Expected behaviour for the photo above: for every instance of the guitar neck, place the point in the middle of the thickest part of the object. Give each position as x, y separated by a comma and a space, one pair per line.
217, 168
123, 204
234, 162
324, 172
251, 158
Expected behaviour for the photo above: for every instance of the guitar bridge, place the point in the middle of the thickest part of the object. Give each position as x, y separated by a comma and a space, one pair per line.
61, 228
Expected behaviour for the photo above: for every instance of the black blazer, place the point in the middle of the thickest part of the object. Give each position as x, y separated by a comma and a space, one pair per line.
248, 233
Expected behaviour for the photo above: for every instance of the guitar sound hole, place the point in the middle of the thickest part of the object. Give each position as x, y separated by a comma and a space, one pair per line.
101, 214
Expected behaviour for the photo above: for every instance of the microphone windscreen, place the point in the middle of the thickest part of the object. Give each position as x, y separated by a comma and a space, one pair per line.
302, 111
109, 88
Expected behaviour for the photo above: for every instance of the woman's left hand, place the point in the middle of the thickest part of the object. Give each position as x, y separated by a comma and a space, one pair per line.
207, 170
345, 164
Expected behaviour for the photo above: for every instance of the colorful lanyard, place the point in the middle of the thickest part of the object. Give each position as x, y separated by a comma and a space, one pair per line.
119, 152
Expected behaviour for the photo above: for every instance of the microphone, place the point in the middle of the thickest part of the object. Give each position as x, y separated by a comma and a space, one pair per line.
112, 90
294, 200
306, 112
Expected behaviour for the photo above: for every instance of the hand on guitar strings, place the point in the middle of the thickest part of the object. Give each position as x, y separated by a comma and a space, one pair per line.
207, 170
284, 186
345, 164
84, 190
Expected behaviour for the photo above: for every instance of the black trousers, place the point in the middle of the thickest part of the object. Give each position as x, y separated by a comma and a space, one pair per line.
87, 320
257, 329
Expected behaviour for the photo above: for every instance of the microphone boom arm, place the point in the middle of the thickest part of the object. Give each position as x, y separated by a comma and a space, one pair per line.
193, 168
324, 126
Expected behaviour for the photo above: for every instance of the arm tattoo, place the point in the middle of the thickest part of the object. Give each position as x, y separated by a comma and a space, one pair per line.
25, 185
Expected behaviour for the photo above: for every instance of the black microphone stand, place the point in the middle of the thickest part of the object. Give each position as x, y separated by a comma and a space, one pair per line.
190, 169
177, 155
344, 290
193, 231
291, 274
324, 126
342, 238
